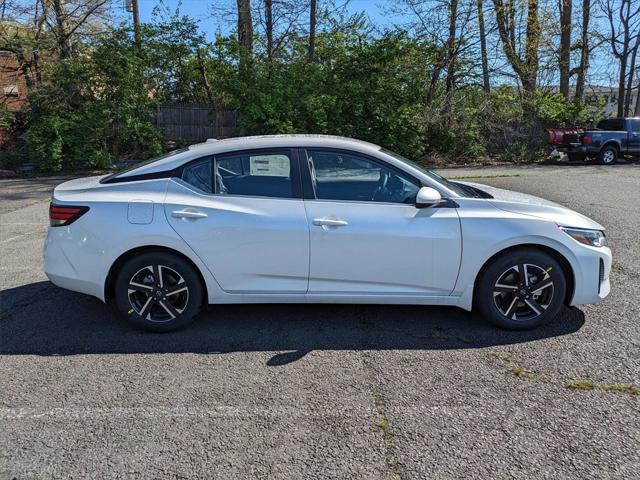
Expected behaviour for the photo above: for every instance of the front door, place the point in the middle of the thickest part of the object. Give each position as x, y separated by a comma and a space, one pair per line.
634, 136
367, 237
243, 215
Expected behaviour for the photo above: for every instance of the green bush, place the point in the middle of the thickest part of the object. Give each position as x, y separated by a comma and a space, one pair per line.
96, 107
92, 111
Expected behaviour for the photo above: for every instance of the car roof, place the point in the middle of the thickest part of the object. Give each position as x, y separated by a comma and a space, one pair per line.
286, 140
228, 145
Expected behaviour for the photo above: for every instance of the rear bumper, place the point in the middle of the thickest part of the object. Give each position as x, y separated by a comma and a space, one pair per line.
60, 269
577, 148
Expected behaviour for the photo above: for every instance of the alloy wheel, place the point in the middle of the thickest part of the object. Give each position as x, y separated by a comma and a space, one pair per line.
523, 291
158, 293
609, 156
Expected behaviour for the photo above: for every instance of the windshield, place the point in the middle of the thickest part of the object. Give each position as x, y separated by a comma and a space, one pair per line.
458, 188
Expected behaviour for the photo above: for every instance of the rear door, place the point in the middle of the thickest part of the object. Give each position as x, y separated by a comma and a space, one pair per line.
243, 215
367, 236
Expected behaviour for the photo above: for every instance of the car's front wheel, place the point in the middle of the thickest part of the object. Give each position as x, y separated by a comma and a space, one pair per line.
158, 291
521, 289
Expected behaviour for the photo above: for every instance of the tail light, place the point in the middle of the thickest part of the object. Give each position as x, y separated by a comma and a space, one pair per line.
586, 139
61, 215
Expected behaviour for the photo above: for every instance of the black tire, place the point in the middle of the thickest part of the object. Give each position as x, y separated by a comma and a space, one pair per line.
151, 306
514, 308
608, 155
577, 157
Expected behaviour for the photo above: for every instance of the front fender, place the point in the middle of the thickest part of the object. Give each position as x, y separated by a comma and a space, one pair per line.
485, 235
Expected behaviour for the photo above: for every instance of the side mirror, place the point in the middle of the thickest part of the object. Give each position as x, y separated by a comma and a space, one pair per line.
428, 197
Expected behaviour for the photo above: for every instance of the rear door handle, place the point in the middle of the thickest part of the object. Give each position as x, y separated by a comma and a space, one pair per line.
188, 214
330, 222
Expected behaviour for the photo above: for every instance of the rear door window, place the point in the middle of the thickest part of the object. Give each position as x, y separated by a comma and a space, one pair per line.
257, 173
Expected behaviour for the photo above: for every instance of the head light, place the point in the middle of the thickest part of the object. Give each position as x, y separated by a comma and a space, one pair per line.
593, 238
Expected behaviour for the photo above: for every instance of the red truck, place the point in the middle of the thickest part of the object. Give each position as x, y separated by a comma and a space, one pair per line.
612, 139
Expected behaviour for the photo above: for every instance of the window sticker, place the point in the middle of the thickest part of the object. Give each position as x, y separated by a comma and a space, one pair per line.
269, 165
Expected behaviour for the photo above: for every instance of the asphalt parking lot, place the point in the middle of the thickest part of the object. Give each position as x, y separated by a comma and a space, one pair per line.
333, 391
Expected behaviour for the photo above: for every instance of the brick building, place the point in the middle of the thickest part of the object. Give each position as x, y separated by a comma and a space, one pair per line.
13, 86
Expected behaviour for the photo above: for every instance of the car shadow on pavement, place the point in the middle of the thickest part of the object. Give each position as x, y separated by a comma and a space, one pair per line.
42, 319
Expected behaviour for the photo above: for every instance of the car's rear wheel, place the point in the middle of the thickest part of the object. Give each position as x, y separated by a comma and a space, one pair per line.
521, 289
576, 157
608, 155
158, 291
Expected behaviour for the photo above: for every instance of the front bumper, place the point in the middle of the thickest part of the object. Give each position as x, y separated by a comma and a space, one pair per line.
592, 275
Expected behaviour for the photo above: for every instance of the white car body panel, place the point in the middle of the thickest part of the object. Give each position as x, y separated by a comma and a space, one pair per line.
250, 244
268, 250
384, 248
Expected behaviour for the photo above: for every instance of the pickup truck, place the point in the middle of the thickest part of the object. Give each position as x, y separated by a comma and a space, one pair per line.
612, 138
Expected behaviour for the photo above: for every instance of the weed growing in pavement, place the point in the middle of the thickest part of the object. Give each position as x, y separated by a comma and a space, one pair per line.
607, 387
520, 372
387, 435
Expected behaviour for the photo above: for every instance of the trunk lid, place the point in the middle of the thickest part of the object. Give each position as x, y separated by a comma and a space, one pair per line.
69, 190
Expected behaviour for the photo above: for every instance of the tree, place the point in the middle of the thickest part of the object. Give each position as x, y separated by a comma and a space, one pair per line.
585, 51
282, 21
73, 18
245, 27
636, 111
483, 46
26, 37
623, 17
268, 9
313, 7
565, 46
136, 24
92, 110
525, 67
452, 50
630, 77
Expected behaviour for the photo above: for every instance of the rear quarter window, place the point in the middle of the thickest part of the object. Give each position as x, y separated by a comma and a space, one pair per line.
199, 175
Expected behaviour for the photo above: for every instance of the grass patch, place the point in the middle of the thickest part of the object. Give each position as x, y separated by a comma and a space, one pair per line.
522, 373
607, 387
500, 356
516, 369
387, 435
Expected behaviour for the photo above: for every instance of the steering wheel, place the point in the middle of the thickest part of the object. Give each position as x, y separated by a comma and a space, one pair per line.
382, 185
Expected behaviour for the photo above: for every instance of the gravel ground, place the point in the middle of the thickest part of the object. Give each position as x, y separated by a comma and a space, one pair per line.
332, 391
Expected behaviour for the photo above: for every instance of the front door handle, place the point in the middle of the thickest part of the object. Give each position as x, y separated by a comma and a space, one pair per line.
188, 214
330, 222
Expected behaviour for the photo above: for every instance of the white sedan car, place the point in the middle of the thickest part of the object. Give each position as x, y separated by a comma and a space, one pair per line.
308, 218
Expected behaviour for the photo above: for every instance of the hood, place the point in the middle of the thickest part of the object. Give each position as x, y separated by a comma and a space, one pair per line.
525, 204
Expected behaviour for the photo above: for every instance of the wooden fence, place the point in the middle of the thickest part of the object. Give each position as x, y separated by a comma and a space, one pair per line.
194, 123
